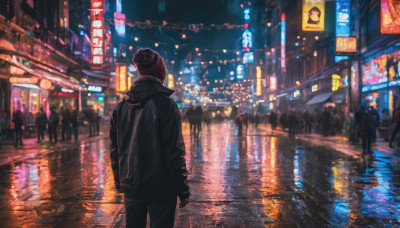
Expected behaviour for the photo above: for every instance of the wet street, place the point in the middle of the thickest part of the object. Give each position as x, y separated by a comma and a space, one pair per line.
258, 180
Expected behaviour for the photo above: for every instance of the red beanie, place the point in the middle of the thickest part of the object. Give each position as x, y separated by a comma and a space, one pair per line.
148, 62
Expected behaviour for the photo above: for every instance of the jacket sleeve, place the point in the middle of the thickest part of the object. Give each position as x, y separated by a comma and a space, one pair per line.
114, 150
173, 146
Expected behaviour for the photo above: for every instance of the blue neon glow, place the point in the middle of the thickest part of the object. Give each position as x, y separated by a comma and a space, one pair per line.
342, 22
247, 14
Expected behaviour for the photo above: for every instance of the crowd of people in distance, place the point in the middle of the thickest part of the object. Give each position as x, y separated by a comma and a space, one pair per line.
65, 122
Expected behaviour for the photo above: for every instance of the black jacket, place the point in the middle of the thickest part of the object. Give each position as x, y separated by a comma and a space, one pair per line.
147, 149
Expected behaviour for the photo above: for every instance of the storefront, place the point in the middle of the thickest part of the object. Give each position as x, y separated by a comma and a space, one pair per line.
63, 97
94, 98
380, 82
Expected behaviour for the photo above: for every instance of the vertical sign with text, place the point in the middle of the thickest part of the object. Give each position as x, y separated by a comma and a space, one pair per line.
97, 32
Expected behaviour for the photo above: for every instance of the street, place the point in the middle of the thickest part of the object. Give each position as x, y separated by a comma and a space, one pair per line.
263, 179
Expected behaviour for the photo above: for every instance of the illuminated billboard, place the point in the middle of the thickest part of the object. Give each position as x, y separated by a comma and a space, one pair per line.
248, 57
313, 15
273, 83
343, 18
97, 32
119, 21
390, 17
374, 71
346, 44
121, 76
258, 81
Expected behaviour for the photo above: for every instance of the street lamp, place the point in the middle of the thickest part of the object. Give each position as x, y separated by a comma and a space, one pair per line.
136, 39
156, 44
176, 46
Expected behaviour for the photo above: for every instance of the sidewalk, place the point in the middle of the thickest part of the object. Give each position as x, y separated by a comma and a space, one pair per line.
339, 143
31, 148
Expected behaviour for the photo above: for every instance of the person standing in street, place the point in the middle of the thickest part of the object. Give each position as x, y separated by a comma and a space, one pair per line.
199, 118
18, 121
325, 121
75, 123
367, 131
239, 123
273, 120
66, 124
147, 149
292, 123
54, 120
396, 128
41, 122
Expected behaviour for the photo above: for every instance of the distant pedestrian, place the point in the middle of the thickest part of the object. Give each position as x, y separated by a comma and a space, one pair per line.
325, 122
207, 117
190, 115
54, 120
396, 128
18, 121
283, 120
147, 149
198, 118
239, 123
273, 119
98, 121
3, 126
66, 124
367, 130
308, 122
75, 123
41, 122
256, 120
375, 122
292, 123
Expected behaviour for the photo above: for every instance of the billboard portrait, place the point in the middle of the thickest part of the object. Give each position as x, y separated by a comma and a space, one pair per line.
313, 15
390, 17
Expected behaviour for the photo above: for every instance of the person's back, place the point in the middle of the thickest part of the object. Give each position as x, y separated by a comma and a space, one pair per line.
147, 150
54, 119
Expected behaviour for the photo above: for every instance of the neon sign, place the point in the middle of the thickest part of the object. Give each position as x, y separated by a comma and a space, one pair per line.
258, 82
283, 42
273, 83
247, 42
121, 73
346, 44
97, 32
119, 21
18, 80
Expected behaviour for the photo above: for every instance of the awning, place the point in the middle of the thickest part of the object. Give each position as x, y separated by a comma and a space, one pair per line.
339, 96
320, 98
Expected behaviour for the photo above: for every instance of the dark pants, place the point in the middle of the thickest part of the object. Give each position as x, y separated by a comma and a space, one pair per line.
161, 211
325, 131
308, 128
17, 136
198, 126
40, 134
75, 132
394, 133
273, 126
366, 140
66, 131
53, 134
292, 131
92, 129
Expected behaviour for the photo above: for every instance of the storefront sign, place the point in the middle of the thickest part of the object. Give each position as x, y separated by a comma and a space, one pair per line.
121, 75
296, 93
258, 81
64, 90
314, 88
313, 15
97, 32
335, 82
390, 17
248, 57
283, 42
16, 70
62, 94
20, 80
366, 88
92, 88
273, 83
46, 84
240, 71
346, 44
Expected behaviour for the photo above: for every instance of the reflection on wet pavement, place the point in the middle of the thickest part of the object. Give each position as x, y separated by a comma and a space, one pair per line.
256, 180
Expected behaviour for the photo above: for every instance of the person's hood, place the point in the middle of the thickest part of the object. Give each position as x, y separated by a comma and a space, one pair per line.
143, 89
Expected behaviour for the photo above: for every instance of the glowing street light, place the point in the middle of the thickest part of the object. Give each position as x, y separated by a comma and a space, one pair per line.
224, 51
136, 39
176, 46
156, 44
